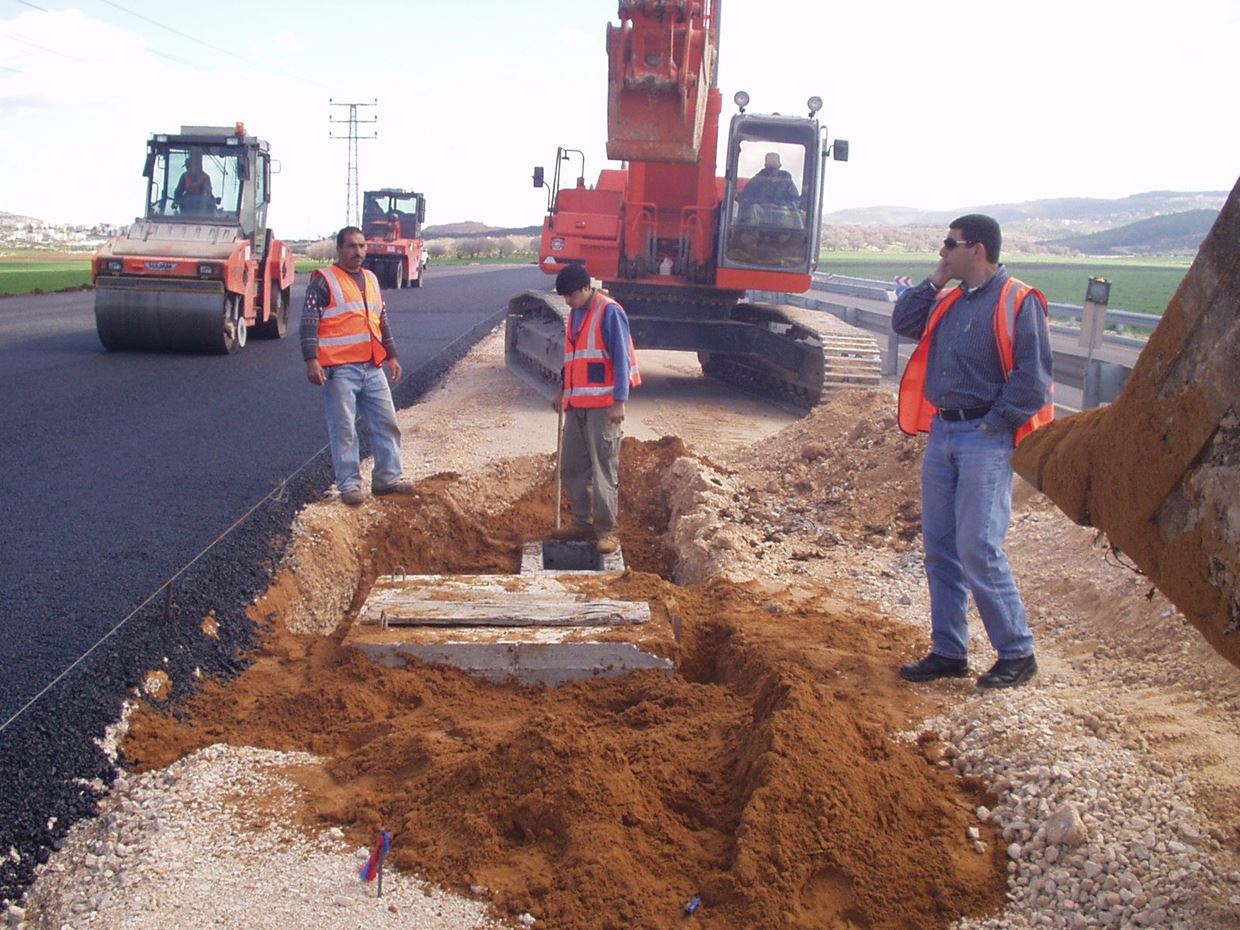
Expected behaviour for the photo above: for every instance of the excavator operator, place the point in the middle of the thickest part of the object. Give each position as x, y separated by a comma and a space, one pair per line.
769, 194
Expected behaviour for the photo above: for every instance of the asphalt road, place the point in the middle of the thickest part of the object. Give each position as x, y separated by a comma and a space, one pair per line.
119, 470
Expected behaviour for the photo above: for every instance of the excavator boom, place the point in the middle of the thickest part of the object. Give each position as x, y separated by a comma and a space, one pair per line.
1159, 469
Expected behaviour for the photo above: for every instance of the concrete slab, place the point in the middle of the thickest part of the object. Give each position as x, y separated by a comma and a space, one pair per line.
538, 627
530, 663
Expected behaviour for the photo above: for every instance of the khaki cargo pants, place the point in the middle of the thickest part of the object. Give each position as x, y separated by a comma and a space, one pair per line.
591, 467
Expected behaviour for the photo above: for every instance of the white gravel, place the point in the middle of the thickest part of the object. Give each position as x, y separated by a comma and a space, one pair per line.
182, 847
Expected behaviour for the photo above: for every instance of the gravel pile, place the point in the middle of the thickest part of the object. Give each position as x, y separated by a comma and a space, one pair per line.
184, 843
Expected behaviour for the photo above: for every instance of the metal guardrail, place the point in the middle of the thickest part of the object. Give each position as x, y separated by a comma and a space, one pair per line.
1099, 380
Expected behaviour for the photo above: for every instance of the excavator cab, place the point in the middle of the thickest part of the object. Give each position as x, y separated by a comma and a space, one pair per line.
771, 212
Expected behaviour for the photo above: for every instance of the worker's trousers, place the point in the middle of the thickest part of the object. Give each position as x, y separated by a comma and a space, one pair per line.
966, 506
591, 467
360, 391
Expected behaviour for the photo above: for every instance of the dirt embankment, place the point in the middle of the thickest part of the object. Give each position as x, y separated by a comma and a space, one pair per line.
760, 777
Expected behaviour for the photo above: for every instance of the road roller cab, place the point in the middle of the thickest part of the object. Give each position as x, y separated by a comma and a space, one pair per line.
392, 221
200, 270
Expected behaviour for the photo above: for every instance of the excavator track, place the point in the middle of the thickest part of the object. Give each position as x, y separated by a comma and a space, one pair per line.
783, 354
845, 357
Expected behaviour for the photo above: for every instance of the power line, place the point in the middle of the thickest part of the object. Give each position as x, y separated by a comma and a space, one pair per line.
214, 48
352, 208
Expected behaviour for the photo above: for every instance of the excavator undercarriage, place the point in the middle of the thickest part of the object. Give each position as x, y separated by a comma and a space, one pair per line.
782, 354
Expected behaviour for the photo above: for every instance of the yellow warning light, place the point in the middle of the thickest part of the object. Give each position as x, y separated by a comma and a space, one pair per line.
240, 128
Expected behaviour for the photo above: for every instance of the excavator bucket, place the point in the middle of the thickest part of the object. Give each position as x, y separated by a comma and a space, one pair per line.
1159, 469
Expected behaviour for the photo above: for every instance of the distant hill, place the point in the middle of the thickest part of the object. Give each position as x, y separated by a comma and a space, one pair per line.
1175, 232
470, 228
1177, 222
1062, 211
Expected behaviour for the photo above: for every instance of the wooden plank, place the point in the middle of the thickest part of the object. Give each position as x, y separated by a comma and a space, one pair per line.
513, 608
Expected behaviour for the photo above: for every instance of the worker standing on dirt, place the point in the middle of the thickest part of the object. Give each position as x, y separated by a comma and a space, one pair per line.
346, 341
600, 366
978, 382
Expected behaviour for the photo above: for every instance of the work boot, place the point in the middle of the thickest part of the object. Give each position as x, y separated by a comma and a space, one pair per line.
400, 486
353, 497
572, 532
1008, 673
934, 667
607, 544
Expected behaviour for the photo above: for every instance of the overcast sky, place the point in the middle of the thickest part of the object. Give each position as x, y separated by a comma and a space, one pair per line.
944, 105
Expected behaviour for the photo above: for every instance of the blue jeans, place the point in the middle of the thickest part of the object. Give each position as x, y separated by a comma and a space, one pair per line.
353, 390
966, 505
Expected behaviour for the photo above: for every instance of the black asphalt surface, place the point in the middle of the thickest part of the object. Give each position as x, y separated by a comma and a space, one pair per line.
117, 471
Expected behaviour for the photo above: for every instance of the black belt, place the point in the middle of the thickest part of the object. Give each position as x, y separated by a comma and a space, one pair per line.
960, 414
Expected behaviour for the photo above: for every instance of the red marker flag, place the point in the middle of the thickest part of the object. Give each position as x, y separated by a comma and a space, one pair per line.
370, 869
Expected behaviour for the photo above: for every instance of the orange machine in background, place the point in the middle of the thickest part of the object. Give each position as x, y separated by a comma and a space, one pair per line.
201, 269
392, 223
676, 244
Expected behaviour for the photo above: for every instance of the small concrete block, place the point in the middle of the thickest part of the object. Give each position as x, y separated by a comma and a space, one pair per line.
577, 555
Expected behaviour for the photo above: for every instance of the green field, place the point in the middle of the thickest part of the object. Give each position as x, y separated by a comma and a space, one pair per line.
24, 276
1139, 285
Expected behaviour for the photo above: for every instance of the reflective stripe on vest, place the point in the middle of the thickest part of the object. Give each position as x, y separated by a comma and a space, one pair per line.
349, 330
589, 349
914, 412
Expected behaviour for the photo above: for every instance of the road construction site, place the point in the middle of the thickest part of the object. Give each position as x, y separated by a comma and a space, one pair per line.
769, 765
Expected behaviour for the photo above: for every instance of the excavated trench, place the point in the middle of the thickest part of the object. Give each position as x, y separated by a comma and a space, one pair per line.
762, 775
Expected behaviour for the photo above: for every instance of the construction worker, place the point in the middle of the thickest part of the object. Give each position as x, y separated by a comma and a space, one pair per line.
978, 381
769, 191
193, 192
599, 368
346, 341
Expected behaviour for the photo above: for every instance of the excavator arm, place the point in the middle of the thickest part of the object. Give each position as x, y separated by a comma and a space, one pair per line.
661, 64
1159, 469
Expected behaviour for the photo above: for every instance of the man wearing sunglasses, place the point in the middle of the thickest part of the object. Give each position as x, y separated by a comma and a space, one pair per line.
978, 382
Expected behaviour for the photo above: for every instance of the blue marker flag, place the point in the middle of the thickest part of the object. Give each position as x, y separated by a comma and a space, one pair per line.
370, 868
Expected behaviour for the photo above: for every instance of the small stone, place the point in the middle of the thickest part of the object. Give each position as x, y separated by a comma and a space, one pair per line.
527, 920
1014, 851
341, 900
1065, 826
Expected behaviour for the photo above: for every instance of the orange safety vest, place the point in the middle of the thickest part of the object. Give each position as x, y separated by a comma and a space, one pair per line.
349, 327
915, 413
198, 185
587, 355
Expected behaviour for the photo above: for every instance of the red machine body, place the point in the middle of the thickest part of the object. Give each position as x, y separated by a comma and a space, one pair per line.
675, 242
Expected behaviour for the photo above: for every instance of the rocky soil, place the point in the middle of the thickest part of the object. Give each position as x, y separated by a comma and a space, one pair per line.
785, 777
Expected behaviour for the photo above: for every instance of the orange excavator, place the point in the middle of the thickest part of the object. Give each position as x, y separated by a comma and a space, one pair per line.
392, 223
677, 245
201, 269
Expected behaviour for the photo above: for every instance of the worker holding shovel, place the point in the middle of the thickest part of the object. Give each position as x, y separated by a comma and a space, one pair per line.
600, 366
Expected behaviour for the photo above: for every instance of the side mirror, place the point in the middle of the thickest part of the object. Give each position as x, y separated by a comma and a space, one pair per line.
149, 167
839, 151
538, 177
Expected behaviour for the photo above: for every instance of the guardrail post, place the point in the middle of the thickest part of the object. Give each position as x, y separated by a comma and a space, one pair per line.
893, 353
1103, 382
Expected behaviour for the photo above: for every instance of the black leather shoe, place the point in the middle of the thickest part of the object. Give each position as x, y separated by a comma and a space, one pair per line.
1008, 673
933, 667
